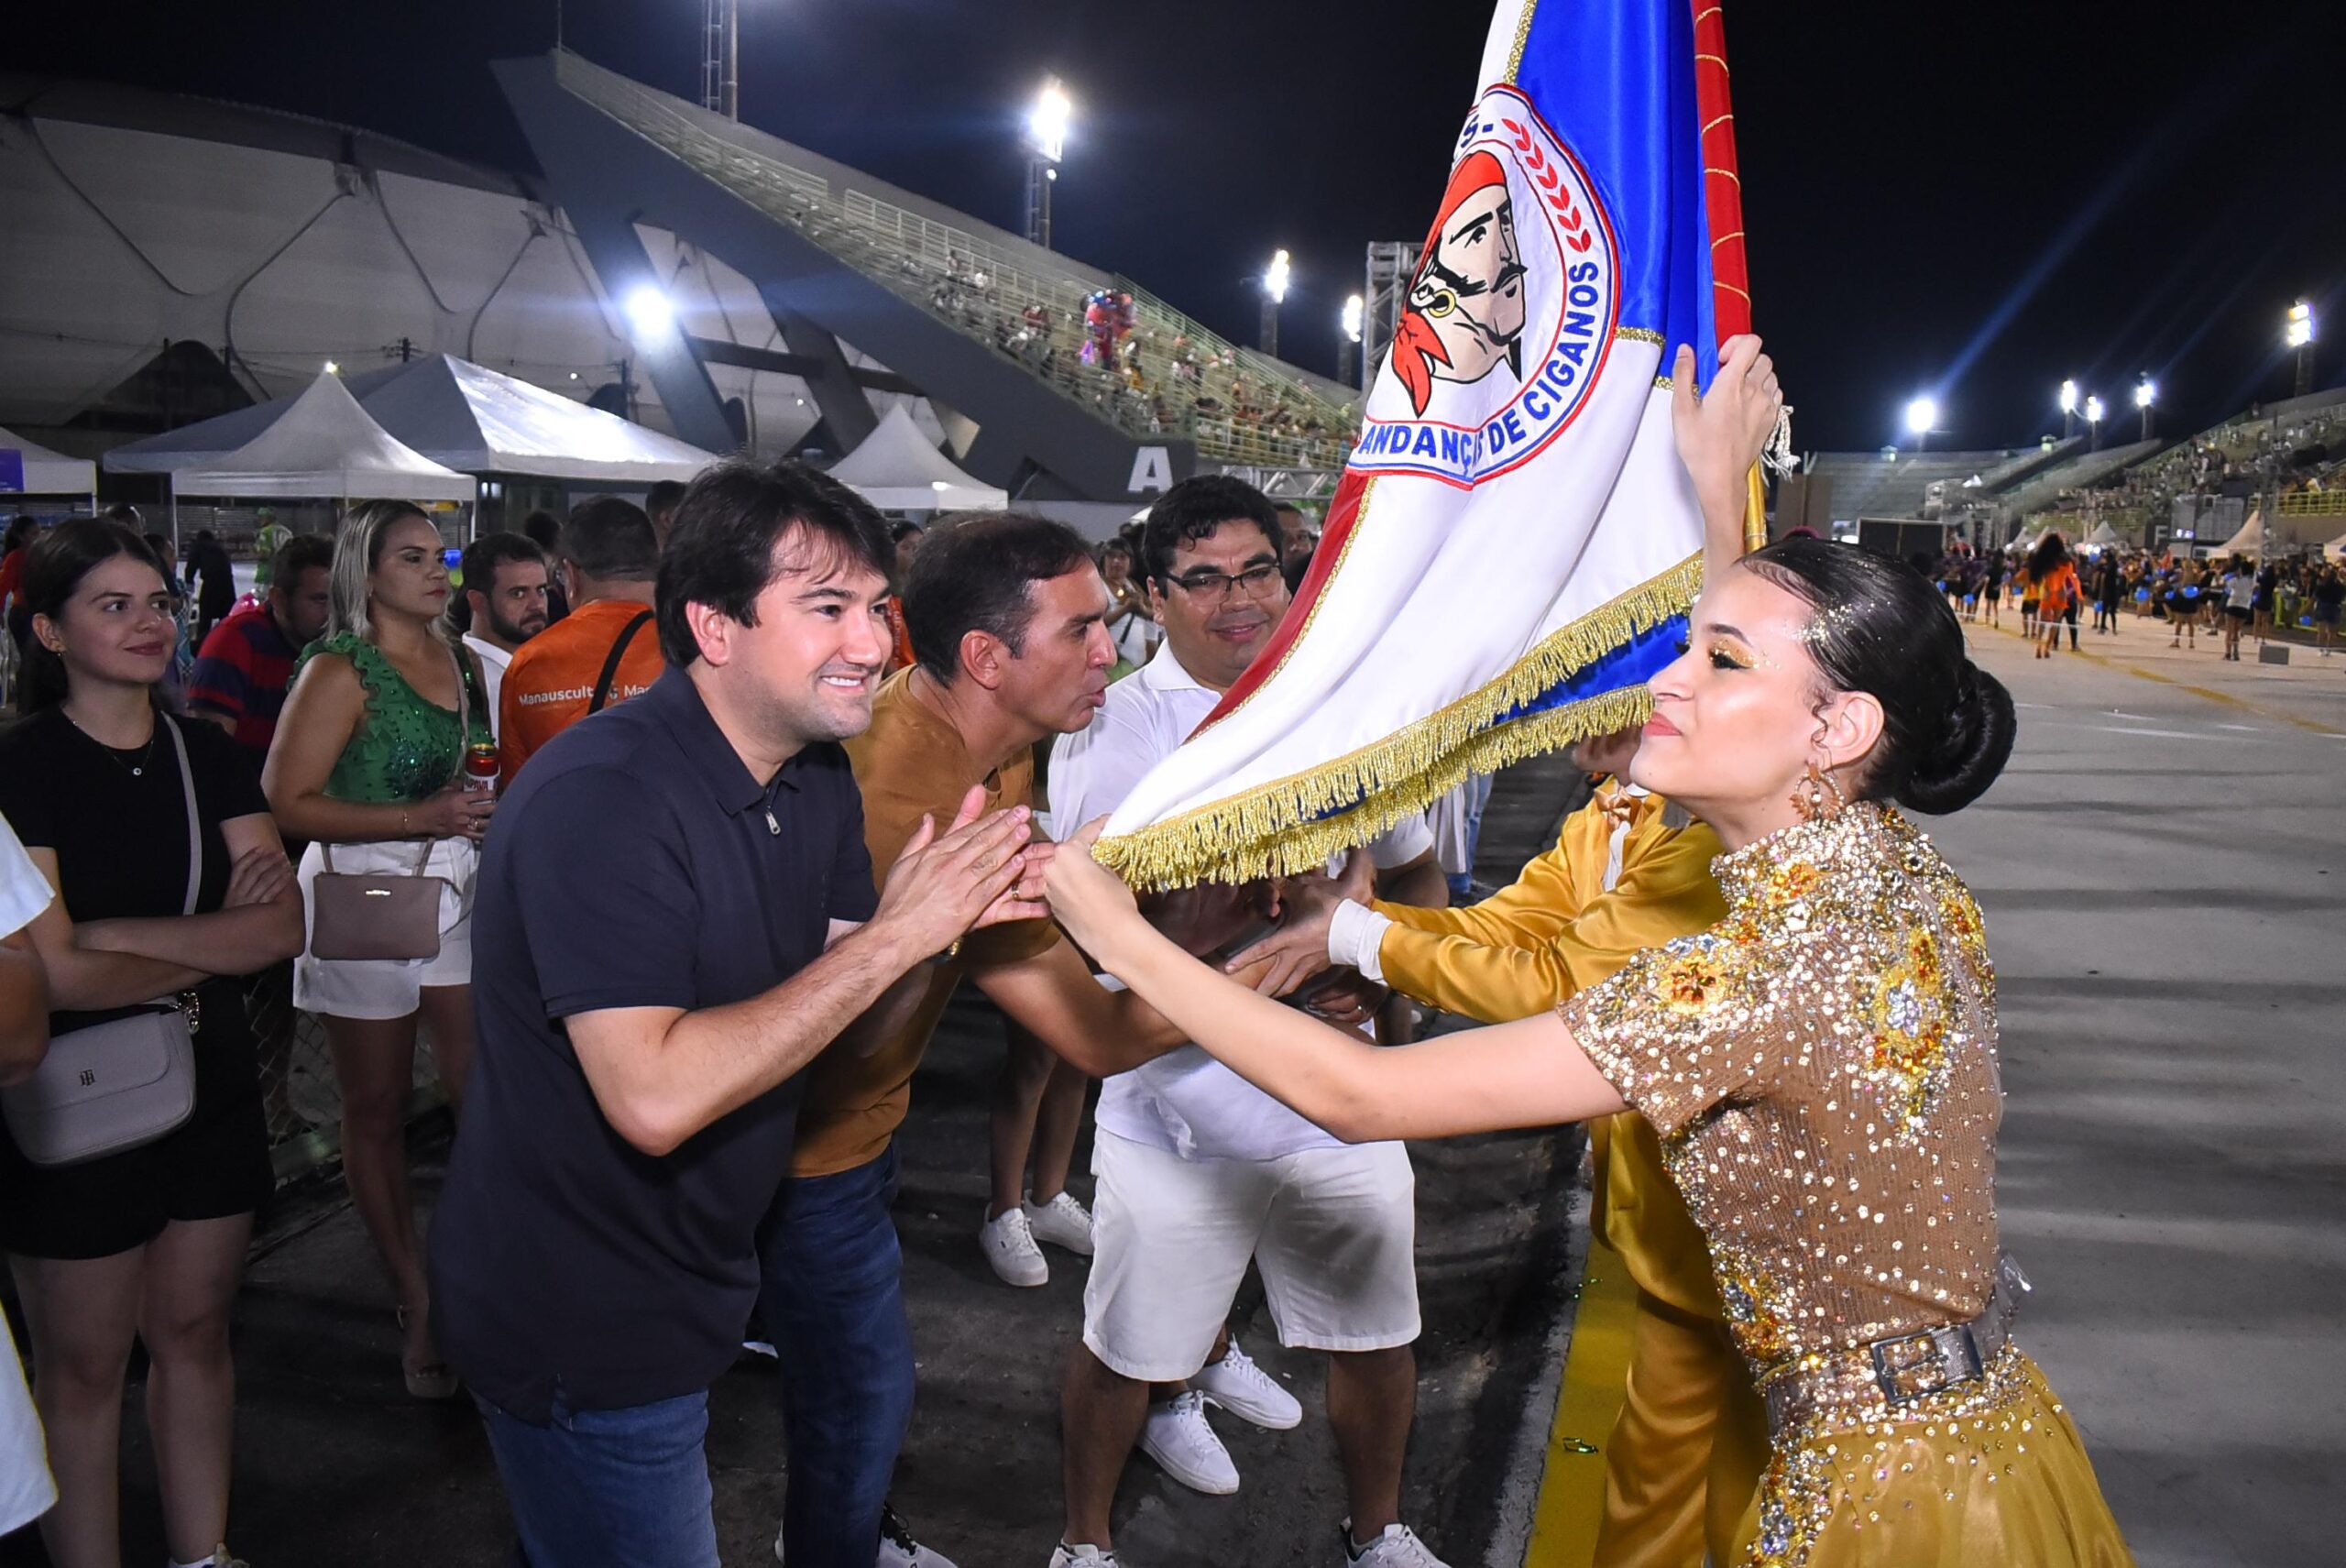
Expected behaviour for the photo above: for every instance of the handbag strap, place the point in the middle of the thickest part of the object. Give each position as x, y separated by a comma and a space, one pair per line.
611, 663
194, 823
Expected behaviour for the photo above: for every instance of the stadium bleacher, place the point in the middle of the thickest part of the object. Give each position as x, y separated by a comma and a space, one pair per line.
1173, 375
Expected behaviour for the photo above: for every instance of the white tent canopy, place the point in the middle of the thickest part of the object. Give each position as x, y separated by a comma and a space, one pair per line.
324, 445
2103, 537
2336, 549
897, 470
460, 415
43, 472
2249, 541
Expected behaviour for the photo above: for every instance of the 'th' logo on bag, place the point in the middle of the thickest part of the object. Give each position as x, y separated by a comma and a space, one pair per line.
88, 1078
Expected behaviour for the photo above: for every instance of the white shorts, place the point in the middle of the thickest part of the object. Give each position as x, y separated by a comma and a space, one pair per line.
389, 988
1334, 1230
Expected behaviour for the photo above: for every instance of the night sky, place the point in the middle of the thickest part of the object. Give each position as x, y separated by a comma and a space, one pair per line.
1970, 200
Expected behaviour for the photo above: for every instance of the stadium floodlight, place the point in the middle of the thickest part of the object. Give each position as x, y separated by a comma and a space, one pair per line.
333, 368
650, 313
1047, 121
2068, 396
1275, 277
2094, 411
2146, 391
2297, 329
1354, 306
1921, 415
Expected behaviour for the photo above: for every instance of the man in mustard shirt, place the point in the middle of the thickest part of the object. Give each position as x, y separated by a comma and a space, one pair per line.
1627, 873
1008, 619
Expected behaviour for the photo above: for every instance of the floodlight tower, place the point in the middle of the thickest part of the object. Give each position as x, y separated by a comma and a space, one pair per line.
2094, 411
1348, 343
720, 58
1921, 415
1274, 281
2297, 332
2146, 393
1046, 125
2068, 409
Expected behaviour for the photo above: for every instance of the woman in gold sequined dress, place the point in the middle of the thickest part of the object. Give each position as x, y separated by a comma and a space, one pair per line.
1821, 1065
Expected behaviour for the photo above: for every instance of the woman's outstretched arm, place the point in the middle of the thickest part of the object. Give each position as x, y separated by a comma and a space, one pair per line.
1526, 1074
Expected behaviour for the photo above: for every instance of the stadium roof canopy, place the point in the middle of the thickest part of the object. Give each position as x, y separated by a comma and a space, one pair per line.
34, 470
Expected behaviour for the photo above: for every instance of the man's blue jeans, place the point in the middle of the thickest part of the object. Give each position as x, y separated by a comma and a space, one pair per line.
834, 1307
626, 1489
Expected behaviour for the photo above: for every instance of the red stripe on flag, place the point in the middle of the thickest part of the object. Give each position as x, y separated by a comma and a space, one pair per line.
1722, 182
1343, 510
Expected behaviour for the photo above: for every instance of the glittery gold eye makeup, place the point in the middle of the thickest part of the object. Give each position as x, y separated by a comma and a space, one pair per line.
1729, 656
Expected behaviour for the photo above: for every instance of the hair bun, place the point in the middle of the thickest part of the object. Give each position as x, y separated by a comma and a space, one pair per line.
1974, 742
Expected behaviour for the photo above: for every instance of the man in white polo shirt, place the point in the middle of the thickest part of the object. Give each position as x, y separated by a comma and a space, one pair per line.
1198, 1171
26, 1490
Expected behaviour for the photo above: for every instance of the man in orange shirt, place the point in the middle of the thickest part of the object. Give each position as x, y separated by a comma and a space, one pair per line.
605, 650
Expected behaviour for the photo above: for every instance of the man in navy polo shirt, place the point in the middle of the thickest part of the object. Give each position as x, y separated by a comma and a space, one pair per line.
675, 914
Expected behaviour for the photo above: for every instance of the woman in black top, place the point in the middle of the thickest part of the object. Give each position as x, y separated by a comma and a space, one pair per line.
148, 1242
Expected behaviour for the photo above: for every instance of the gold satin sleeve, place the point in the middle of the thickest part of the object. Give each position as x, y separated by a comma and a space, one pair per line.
1555, 932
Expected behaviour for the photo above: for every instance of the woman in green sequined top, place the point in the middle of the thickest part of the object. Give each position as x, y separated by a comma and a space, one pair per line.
369, 766
1820, 1064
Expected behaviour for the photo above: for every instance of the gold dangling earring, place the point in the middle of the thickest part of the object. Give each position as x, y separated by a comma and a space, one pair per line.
1807, 798
1831, 785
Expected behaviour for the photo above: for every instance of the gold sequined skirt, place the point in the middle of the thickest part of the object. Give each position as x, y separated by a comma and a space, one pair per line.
1991, 1473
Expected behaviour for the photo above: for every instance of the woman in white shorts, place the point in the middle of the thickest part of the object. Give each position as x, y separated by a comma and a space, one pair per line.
369, 766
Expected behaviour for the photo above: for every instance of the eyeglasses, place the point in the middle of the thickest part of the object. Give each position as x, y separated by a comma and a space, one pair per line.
1255, 581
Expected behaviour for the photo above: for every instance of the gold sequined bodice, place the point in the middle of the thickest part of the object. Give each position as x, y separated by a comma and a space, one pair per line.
1820, 1064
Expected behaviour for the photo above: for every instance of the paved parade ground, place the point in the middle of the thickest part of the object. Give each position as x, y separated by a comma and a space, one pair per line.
2163, 878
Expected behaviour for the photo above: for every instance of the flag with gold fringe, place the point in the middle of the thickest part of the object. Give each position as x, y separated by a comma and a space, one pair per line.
1514, 545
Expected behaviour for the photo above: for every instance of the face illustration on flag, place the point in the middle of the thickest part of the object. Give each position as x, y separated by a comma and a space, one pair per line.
1513, 544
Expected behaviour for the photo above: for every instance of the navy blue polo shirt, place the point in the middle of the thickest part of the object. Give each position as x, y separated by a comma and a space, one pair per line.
634, 863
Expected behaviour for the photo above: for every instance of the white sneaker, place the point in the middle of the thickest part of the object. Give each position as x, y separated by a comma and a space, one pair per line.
1084, 1556
897, 1547
1396, 1547
1178, 1437
1062, 1222
1009, 1244
1245, 1390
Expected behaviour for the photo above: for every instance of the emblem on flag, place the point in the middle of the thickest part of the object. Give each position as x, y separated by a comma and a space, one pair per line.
1513, 545
1509, 316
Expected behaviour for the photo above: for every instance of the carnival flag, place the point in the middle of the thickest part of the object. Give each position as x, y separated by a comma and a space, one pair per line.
1514, 543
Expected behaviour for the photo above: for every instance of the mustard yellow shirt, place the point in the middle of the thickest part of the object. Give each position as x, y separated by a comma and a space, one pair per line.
1555, 932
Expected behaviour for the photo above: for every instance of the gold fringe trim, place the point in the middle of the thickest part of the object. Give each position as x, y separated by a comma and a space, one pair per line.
1295, 823
1641, 335
1522, 37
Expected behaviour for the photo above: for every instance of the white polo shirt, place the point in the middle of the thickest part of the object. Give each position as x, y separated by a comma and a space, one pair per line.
1184, 1101
493, 660
26, 1490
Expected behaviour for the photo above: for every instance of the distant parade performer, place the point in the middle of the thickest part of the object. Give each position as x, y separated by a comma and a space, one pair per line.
1820, 1066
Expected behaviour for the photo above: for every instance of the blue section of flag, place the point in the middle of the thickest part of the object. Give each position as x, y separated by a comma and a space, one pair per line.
1636, 661
1616, 83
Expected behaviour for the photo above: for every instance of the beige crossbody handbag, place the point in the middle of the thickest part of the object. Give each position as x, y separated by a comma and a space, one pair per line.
397, 916
119, 1084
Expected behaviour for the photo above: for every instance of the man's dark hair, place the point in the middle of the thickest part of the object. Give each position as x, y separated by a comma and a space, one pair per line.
1192, 510
545, 529
490, 551
722, 551
298, 554
975, 577
124, 512
204, 536
897, 532
661, 498
612, 540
